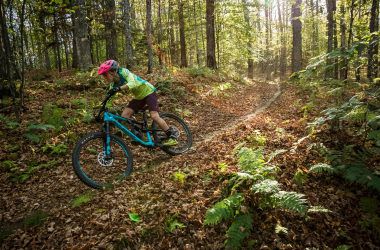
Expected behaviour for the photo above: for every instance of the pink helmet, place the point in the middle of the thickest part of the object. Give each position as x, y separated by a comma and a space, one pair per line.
107, 66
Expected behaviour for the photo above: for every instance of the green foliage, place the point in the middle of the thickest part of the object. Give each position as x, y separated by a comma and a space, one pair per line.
59, 149
222, 166
220, 89
290, 200
251, 160
300, 177
370, 217
266, 187
134, 217
34, 132
322, 168
35, 218
343, 247
172, 223
81, 199
53, 115
200, 71
80, 103
179, 177
223, 210
21, 175
256, 139
240, 229
9, 123
8, 165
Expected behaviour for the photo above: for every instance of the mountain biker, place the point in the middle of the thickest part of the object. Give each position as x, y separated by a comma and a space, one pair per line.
143, 92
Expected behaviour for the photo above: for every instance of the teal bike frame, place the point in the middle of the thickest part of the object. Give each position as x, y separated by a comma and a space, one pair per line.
109, 118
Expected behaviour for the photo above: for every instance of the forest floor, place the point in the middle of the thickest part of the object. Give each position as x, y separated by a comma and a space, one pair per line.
39, 211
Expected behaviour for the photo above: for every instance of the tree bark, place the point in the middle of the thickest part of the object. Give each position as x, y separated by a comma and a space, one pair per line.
282, 40
250, 42
343, 42
297, 36
128, 33
210, 33
22, 31
182, 34
149, 34
198, 51
82, 43
110, 29
373, 48
331, 7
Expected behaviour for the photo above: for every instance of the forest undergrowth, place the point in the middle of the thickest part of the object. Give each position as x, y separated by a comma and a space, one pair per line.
164, 203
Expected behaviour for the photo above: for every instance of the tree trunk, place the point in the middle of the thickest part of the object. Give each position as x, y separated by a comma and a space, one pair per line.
128, 33
22, 31
149, 34
159, 35
297, 36
182, 34
331, 7
373, 48
357, 61
210, 33
44, 41
249, 43
172, 43
82, 43
282, 41
58, 62
198, 51
344, 62
110, 29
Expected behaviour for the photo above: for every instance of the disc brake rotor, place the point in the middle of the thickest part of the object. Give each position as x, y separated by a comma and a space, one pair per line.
103, 161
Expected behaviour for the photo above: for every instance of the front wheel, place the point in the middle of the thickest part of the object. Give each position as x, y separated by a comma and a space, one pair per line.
185, 138
93, 167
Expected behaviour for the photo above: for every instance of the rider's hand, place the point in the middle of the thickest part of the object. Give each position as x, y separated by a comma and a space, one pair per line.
114, 90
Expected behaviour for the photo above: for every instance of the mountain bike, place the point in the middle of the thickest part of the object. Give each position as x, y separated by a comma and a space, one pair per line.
101, 159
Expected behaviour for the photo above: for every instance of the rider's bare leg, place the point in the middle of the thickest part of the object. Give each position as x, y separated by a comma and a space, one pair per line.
127, 113
161, 122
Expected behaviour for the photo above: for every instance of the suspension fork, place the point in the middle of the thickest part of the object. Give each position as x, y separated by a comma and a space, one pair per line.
107, 140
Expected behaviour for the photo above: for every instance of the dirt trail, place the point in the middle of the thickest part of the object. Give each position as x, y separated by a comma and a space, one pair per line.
235, 123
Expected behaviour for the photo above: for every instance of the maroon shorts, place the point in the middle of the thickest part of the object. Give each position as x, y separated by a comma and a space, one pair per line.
151, 101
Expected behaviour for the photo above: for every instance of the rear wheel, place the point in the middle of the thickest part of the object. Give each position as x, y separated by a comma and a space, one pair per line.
184, 138
93, 167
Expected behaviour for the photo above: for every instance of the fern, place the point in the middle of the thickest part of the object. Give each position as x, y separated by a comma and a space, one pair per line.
240, 229
290, 200
318, 209
362, 176
250, 159
223, 210
266, 186
322, 168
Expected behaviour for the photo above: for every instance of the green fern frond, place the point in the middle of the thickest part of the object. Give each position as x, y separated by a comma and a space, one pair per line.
318, 209
223, 210
343, 247
290, 200
266, 186
250, 159
362, 176
240, 229
322, 168
280, 229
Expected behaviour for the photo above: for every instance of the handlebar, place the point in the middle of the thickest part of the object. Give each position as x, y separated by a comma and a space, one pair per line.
103, 105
